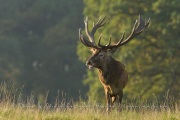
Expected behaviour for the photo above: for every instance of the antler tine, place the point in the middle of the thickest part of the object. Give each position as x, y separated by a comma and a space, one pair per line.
109, 46
120, 41
85, 41
142, 24
90, 35
91, 42
102, 46
99, 41
98, 24
139, 26
109, 41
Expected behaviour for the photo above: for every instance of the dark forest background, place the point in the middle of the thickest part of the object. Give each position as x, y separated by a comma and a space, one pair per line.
40, 52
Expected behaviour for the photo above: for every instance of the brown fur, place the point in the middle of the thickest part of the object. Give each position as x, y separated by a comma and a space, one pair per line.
112, 75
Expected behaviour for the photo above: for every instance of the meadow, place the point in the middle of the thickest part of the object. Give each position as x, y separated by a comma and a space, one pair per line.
10, 110
15, 107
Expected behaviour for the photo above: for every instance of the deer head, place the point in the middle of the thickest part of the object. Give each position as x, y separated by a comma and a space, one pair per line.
100, 53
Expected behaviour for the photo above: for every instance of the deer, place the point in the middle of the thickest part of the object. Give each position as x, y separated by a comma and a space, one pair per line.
112, 73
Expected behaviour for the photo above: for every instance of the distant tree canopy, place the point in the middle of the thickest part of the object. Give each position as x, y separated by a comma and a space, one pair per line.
38, 40
152, 59
39, 43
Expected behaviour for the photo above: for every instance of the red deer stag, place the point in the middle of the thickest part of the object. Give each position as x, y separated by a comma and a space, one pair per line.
112, 73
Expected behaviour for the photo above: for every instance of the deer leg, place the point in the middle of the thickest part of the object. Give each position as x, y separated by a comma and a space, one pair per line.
109, 102
114, 98
120, 96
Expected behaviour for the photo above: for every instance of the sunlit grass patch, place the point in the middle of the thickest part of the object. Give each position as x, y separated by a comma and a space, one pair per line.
10, 111
28, 114
15, 108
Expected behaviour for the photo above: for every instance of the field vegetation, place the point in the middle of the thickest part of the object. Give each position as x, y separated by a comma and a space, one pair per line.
14, 107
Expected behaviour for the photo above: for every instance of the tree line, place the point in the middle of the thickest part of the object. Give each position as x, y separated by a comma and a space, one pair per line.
38, 40
152, 59
40, 52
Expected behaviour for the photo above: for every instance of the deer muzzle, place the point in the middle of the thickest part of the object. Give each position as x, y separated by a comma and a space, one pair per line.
89, 64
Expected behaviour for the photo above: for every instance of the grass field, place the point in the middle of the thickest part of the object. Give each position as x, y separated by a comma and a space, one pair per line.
15, 108
81, 111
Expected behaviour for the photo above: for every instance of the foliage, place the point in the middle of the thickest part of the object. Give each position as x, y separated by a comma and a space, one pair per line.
137, 109
151, 59
31, 113
38, 41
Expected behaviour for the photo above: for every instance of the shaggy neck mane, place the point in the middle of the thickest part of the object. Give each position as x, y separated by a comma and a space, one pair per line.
110, 70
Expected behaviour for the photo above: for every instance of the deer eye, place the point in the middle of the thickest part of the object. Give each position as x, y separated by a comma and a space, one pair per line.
101, 55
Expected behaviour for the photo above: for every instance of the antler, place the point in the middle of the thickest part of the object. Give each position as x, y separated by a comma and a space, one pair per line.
139, 26
90, 35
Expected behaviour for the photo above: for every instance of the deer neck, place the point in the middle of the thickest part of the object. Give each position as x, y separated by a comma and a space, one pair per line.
109, 69
111, 63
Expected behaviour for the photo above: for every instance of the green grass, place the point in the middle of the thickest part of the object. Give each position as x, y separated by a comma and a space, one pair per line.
10, 111
12, 107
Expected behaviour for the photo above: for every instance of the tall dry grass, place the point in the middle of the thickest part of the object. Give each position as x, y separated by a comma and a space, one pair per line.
13, 107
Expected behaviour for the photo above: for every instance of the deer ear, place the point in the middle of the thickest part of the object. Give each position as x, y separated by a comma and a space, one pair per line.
112, 50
